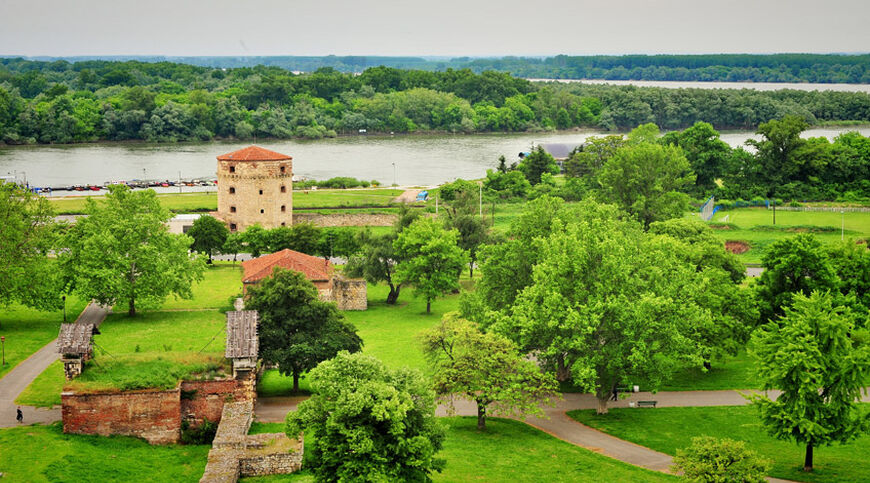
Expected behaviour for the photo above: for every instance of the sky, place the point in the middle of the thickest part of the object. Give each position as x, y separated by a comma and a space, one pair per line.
440, 28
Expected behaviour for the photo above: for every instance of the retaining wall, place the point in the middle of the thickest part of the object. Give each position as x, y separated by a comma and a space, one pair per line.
345, 219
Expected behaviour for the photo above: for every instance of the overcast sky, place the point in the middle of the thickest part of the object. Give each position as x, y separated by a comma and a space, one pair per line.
444, 27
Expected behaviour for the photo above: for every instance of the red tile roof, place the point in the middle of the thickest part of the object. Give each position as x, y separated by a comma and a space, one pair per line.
253, 153
315, 269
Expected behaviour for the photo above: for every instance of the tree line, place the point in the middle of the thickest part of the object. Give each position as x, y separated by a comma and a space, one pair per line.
60, 102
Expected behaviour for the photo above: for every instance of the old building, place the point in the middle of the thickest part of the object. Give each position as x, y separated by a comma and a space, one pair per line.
255, 187
348, 294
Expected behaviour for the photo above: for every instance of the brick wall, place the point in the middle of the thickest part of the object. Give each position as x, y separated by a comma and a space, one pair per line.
349, 294
150, 415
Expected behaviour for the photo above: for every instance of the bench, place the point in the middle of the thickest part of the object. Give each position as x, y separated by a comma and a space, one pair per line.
646, 404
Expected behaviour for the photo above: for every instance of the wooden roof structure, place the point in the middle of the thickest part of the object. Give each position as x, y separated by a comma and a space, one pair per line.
75, 338
242, 340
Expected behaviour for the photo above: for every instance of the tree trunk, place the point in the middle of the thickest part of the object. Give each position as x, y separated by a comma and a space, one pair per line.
131, 310
708, 365
295, 382
562, 371
481, 416
393, 295
471, 269
428, 305
209, 257
808, 459
602, 405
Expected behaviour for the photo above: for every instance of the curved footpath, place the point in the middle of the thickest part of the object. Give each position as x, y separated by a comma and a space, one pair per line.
17, 380
558, 424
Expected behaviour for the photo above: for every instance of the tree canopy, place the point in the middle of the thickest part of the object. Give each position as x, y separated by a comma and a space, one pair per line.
122, 252
372, 423
297, 330
209, 235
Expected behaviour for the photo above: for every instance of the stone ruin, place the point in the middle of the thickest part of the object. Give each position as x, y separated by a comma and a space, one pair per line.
75, 344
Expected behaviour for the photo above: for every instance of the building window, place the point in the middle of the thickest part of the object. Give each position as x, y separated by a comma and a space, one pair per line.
261, 191
262, 211
283, 169
232, 209
232, 190
232, 169
283, 224
232, 227
283, 189
283, 209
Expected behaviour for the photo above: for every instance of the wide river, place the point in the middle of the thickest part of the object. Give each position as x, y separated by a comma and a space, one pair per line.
405, 160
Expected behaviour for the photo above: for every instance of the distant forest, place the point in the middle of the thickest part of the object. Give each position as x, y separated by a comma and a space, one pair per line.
817, 68
93, 100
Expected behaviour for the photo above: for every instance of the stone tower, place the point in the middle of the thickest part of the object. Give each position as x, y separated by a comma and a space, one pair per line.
255, 186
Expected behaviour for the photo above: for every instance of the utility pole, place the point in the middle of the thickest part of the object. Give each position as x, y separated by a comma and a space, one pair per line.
480, 200
179, 182
843, 226
394, 175
3, 343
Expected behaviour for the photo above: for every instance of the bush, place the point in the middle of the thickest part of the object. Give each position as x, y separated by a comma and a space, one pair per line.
723, 461
202, 434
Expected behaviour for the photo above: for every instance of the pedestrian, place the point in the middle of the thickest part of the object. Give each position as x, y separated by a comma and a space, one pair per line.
615, 396
19, 416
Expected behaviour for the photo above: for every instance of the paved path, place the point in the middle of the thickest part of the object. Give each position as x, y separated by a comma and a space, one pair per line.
24, 373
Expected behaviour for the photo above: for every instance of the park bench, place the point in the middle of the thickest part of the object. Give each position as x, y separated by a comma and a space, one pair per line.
646, 404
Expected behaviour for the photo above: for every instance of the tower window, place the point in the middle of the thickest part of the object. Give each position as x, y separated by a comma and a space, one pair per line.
232, 227
283, 189
262, 211
261, 191
232, 209
283, 224
232, 190
232, 169
283, 169
283, 208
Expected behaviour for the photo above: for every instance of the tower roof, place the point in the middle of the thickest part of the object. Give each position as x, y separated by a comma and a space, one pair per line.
253, 153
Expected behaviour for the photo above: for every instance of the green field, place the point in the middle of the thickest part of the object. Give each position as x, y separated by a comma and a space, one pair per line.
510, 451
198, 202
669, 429
27, 330
45, 454
755, 227
220, 281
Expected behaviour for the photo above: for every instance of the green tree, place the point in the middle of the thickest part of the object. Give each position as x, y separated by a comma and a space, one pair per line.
233, 244
297, 330
302, 237
609, 302
819, 361
209, 235
776, 152
711, 460
462, 215
430, 257
486, 368
795, 265
536, 164
122, 252
372, 423
647, 180
26, 273
708, 155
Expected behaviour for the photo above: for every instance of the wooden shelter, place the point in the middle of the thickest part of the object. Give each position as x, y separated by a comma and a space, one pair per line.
243, 344
75, 344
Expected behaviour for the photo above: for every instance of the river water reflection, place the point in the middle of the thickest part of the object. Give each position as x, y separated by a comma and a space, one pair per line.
418, 160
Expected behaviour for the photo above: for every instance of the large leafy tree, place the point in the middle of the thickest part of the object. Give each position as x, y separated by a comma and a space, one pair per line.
372, 423
122, 252
297, 329
819, 360
647, 181
462, 215
795, 265
209, 235
536, 164
430, 257
608, 302
485, 367
708, 155
27, 234
776, 152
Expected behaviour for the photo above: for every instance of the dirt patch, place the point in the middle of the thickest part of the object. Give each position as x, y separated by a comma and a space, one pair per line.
737, 247
720, 226
409, 196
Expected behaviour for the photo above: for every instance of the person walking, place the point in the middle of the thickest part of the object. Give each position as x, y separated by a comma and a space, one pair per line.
615, 396
19, 416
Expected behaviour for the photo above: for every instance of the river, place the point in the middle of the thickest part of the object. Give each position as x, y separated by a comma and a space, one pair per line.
757, 86
405, 160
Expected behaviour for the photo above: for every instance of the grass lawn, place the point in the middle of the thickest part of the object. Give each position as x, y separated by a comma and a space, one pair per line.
196, 202
148, 370
667, 429
45, 454
221, 281
44, 391
28, 330
754, 226
511, 451
731, 373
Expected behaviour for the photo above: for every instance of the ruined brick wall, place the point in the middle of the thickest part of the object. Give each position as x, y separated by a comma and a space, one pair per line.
349, 294
345, 219
205, 399
251, 192
152, 415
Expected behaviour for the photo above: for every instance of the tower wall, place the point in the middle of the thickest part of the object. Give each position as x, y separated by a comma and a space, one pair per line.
250, 192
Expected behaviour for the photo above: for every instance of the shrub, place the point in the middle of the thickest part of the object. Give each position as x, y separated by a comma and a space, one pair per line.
202, 434
720, 460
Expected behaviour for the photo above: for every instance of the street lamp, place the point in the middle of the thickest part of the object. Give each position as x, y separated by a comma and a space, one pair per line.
63, 297
394, 175
3, 343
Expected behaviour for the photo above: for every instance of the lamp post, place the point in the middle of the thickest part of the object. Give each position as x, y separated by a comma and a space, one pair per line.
3, 343
394, 175
63, 297
179, 182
